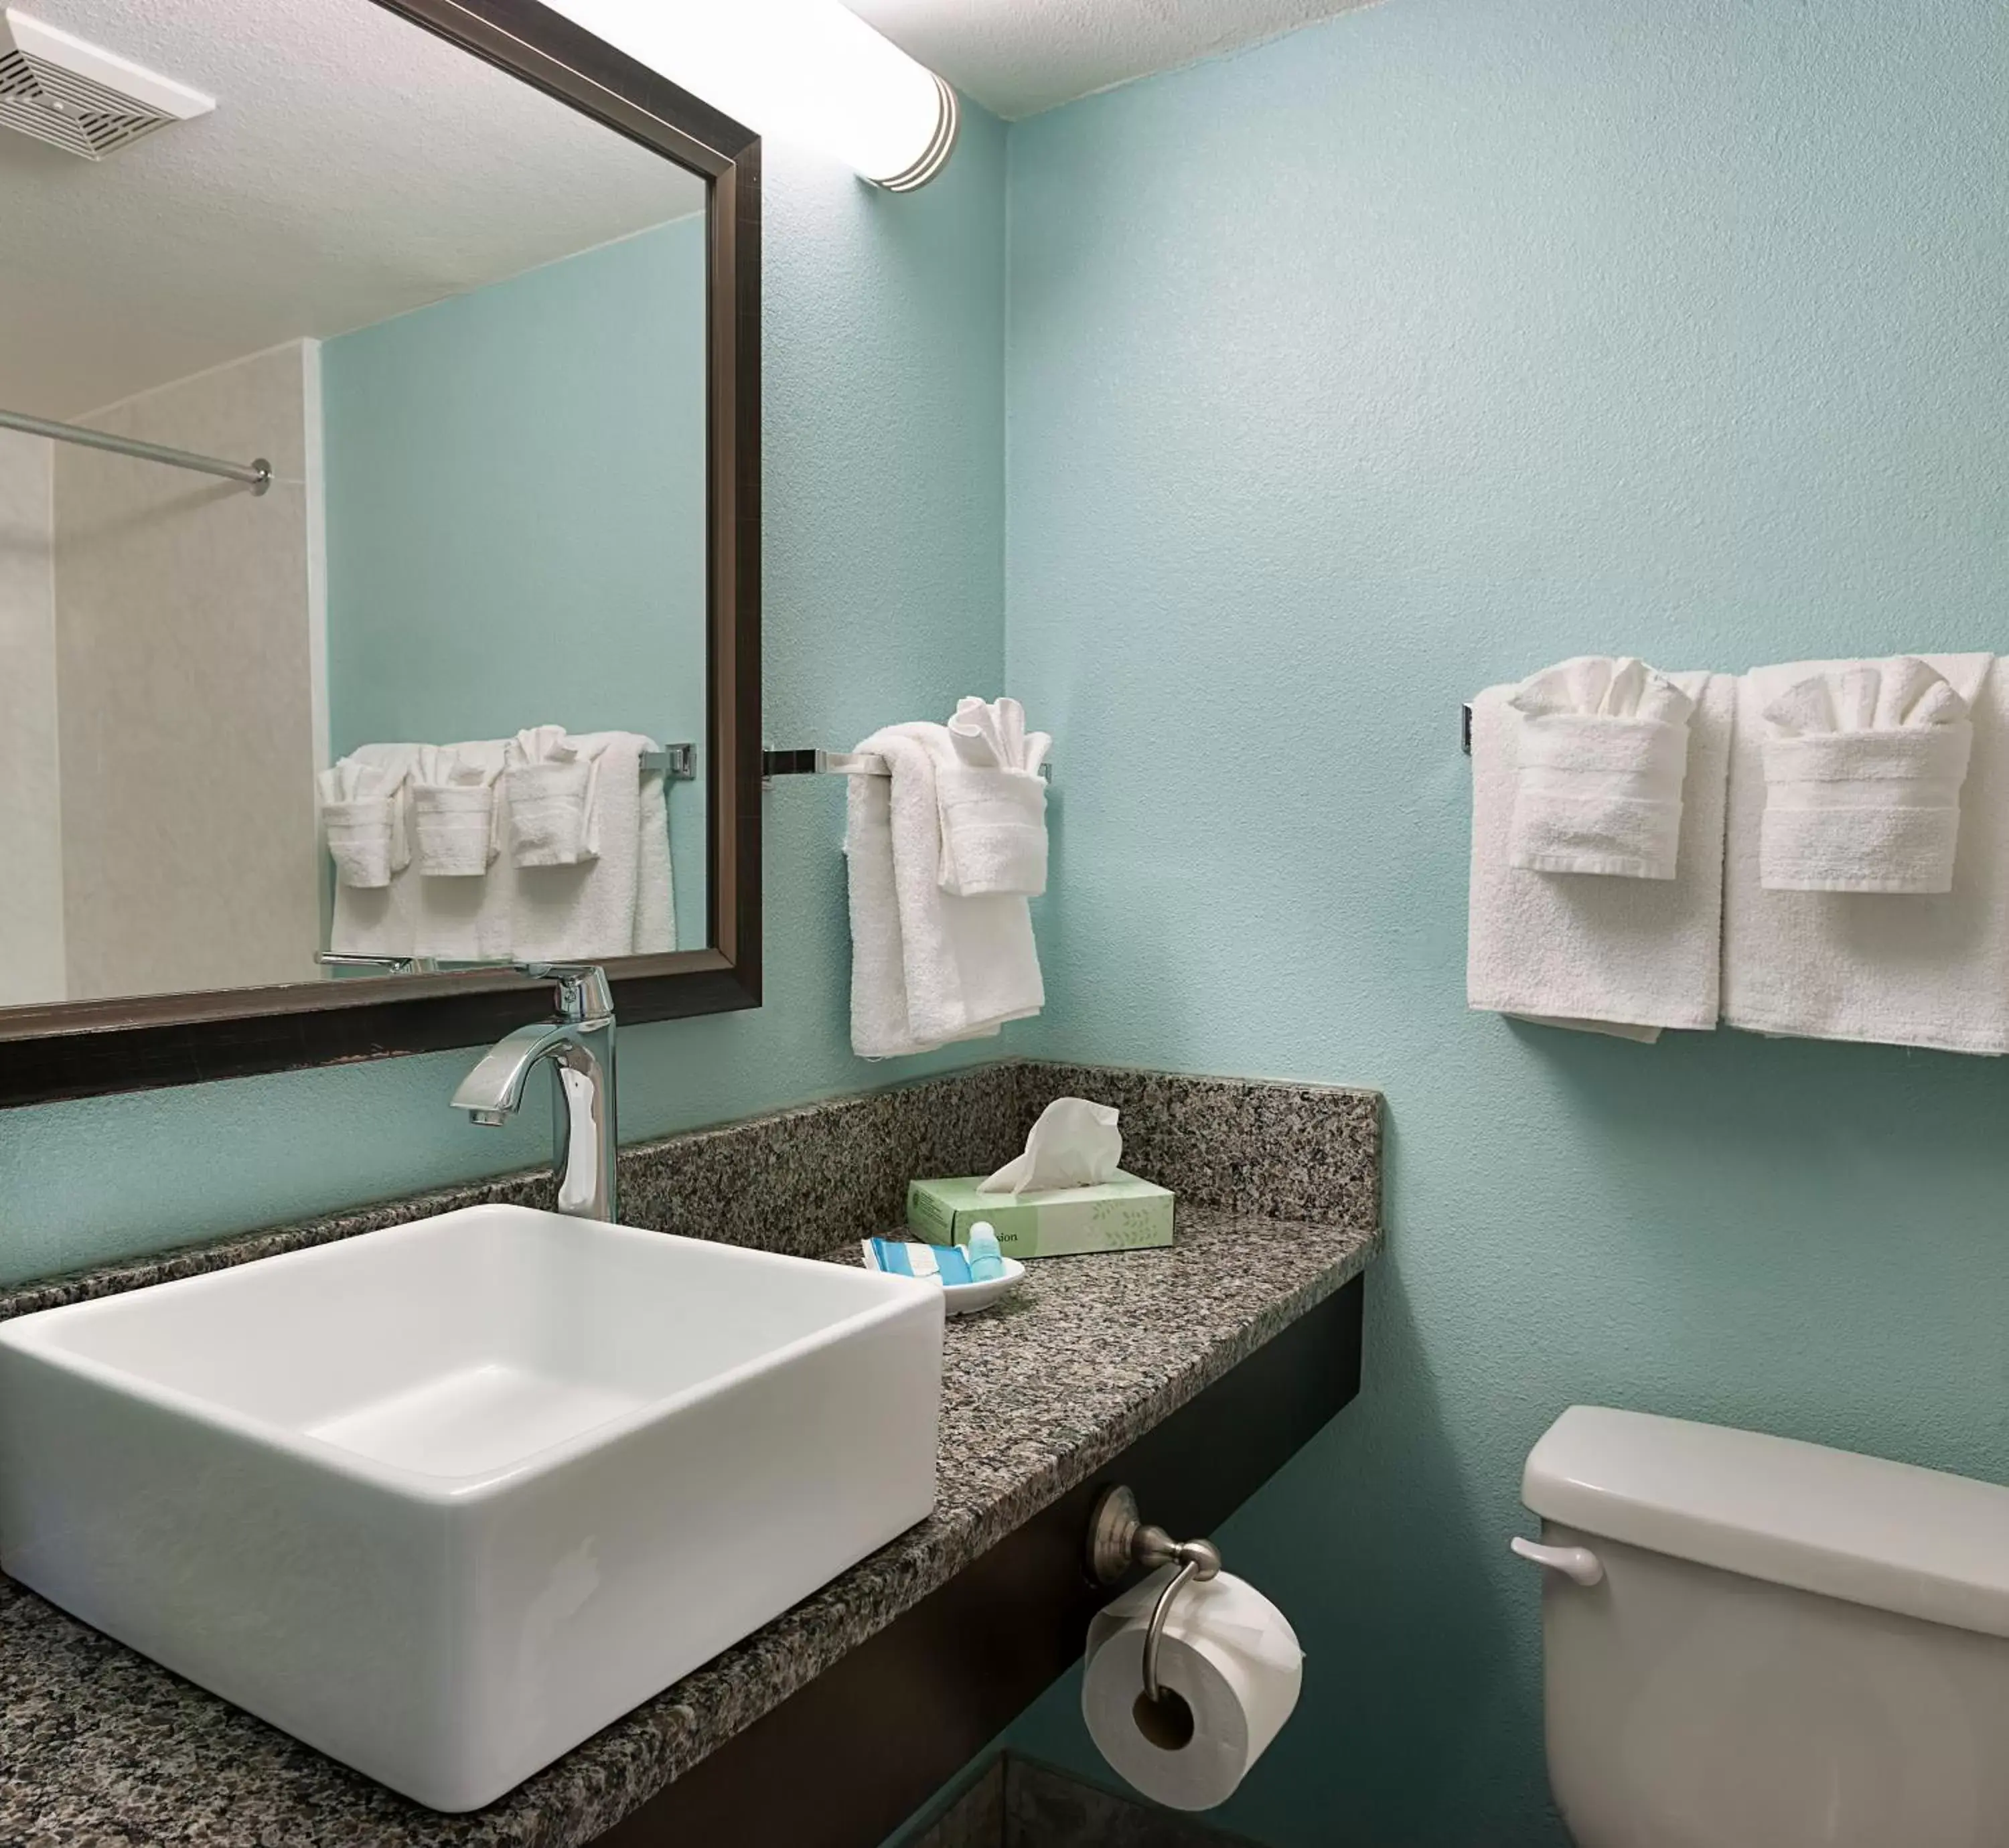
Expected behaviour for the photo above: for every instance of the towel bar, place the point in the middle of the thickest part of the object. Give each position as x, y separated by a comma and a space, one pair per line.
673, 760
837, 763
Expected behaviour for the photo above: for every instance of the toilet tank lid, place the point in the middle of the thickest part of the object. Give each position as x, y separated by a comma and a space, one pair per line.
1886, 1534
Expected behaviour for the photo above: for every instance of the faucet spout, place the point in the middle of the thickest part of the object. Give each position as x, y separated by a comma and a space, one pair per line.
494, 1087
579, 1046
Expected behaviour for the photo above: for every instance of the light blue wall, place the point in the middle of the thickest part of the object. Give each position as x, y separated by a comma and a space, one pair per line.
516, 514
1352, 373
882, 433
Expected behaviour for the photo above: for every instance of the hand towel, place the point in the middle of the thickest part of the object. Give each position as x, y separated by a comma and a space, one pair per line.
363, 817
1626, 957
1863, 768
453, 813
655, 894
1604, 746
585, 911
457, 919
379, 920
991, 802
553, 786
927, 967
1916, 969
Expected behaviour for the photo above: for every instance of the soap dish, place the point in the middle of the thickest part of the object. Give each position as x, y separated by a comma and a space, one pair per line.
966, 1299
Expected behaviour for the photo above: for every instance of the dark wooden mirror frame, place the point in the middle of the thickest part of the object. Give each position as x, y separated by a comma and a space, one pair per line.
85, 1048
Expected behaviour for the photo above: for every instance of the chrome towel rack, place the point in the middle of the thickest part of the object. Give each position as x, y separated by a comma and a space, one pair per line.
676, 761
256, 474
838, 763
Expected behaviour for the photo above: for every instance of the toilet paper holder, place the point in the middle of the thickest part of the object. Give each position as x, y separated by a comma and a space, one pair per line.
1118, 1538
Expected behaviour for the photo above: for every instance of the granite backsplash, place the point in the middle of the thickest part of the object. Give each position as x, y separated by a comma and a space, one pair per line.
807, 1180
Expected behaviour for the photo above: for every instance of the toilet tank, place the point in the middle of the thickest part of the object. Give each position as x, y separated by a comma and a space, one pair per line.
1787, 1647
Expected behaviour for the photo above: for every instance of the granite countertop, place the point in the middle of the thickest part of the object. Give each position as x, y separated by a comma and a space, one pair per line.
99, 1745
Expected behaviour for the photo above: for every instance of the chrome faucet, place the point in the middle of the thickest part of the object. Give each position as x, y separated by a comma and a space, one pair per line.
580, 1045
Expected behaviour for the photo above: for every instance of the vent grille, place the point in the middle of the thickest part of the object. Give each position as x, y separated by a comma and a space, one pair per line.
79, 98
71, 112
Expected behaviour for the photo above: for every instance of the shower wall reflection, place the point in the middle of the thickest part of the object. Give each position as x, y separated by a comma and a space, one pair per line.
472, 347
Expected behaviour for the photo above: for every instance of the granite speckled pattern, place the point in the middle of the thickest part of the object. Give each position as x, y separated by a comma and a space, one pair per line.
1285, 1150
797, 1180
99, 1745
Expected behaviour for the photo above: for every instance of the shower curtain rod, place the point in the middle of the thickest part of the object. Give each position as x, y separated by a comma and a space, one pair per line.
258, 473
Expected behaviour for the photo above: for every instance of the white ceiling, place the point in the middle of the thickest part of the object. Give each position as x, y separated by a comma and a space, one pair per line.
1018, 57
355, 167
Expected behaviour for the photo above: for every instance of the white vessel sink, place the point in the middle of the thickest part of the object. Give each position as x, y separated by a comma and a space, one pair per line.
444, 1500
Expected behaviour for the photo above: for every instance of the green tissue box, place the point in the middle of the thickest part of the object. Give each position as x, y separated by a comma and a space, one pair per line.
1122, 1214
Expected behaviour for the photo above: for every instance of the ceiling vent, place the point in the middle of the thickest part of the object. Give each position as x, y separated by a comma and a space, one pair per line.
61, 91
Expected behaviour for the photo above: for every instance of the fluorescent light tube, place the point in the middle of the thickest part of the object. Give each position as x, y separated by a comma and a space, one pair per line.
810, 70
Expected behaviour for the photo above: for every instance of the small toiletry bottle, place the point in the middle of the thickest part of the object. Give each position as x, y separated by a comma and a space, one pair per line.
987, 1263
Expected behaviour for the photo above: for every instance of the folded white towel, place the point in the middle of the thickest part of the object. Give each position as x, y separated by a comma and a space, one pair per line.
1928, 969
1603, 749
553, 785
585, 910
1622, 956
453, 812
466, 919
363, 817
927, 967
379, 920
992, 802
1863, 767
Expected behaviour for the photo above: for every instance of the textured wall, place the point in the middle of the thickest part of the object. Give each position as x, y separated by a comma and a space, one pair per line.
1347, 376
515, 516
31, 920
186, 680
884, 587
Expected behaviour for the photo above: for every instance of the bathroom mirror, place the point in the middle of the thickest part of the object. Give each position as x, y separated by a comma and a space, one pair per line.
378, 534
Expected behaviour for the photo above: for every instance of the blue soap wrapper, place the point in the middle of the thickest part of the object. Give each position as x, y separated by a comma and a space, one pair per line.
945, 1263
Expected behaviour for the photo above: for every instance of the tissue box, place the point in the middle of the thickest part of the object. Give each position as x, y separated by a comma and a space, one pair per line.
1122, 1214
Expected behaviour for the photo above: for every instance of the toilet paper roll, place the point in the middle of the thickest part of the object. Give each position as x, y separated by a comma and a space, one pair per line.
1228, 1654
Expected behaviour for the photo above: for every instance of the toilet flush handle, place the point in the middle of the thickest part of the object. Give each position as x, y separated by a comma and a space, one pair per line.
1578, 1562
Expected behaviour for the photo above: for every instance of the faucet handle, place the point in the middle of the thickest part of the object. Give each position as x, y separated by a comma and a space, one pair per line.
584, 992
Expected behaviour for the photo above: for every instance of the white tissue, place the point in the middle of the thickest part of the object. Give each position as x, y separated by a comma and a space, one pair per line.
1227, 1652
1074, 1143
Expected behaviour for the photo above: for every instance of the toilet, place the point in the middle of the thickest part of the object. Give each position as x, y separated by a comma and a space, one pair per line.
1749, 1642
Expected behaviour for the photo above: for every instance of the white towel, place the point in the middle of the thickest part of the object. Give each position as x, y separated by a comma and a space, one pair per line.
1928, 969
552, 783
1863, 766
585, 911
1604, 745
655, 895
363, 822
991, 801
379, 920
620, 905
1622, 956
460, 919
453, 812
927, 967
